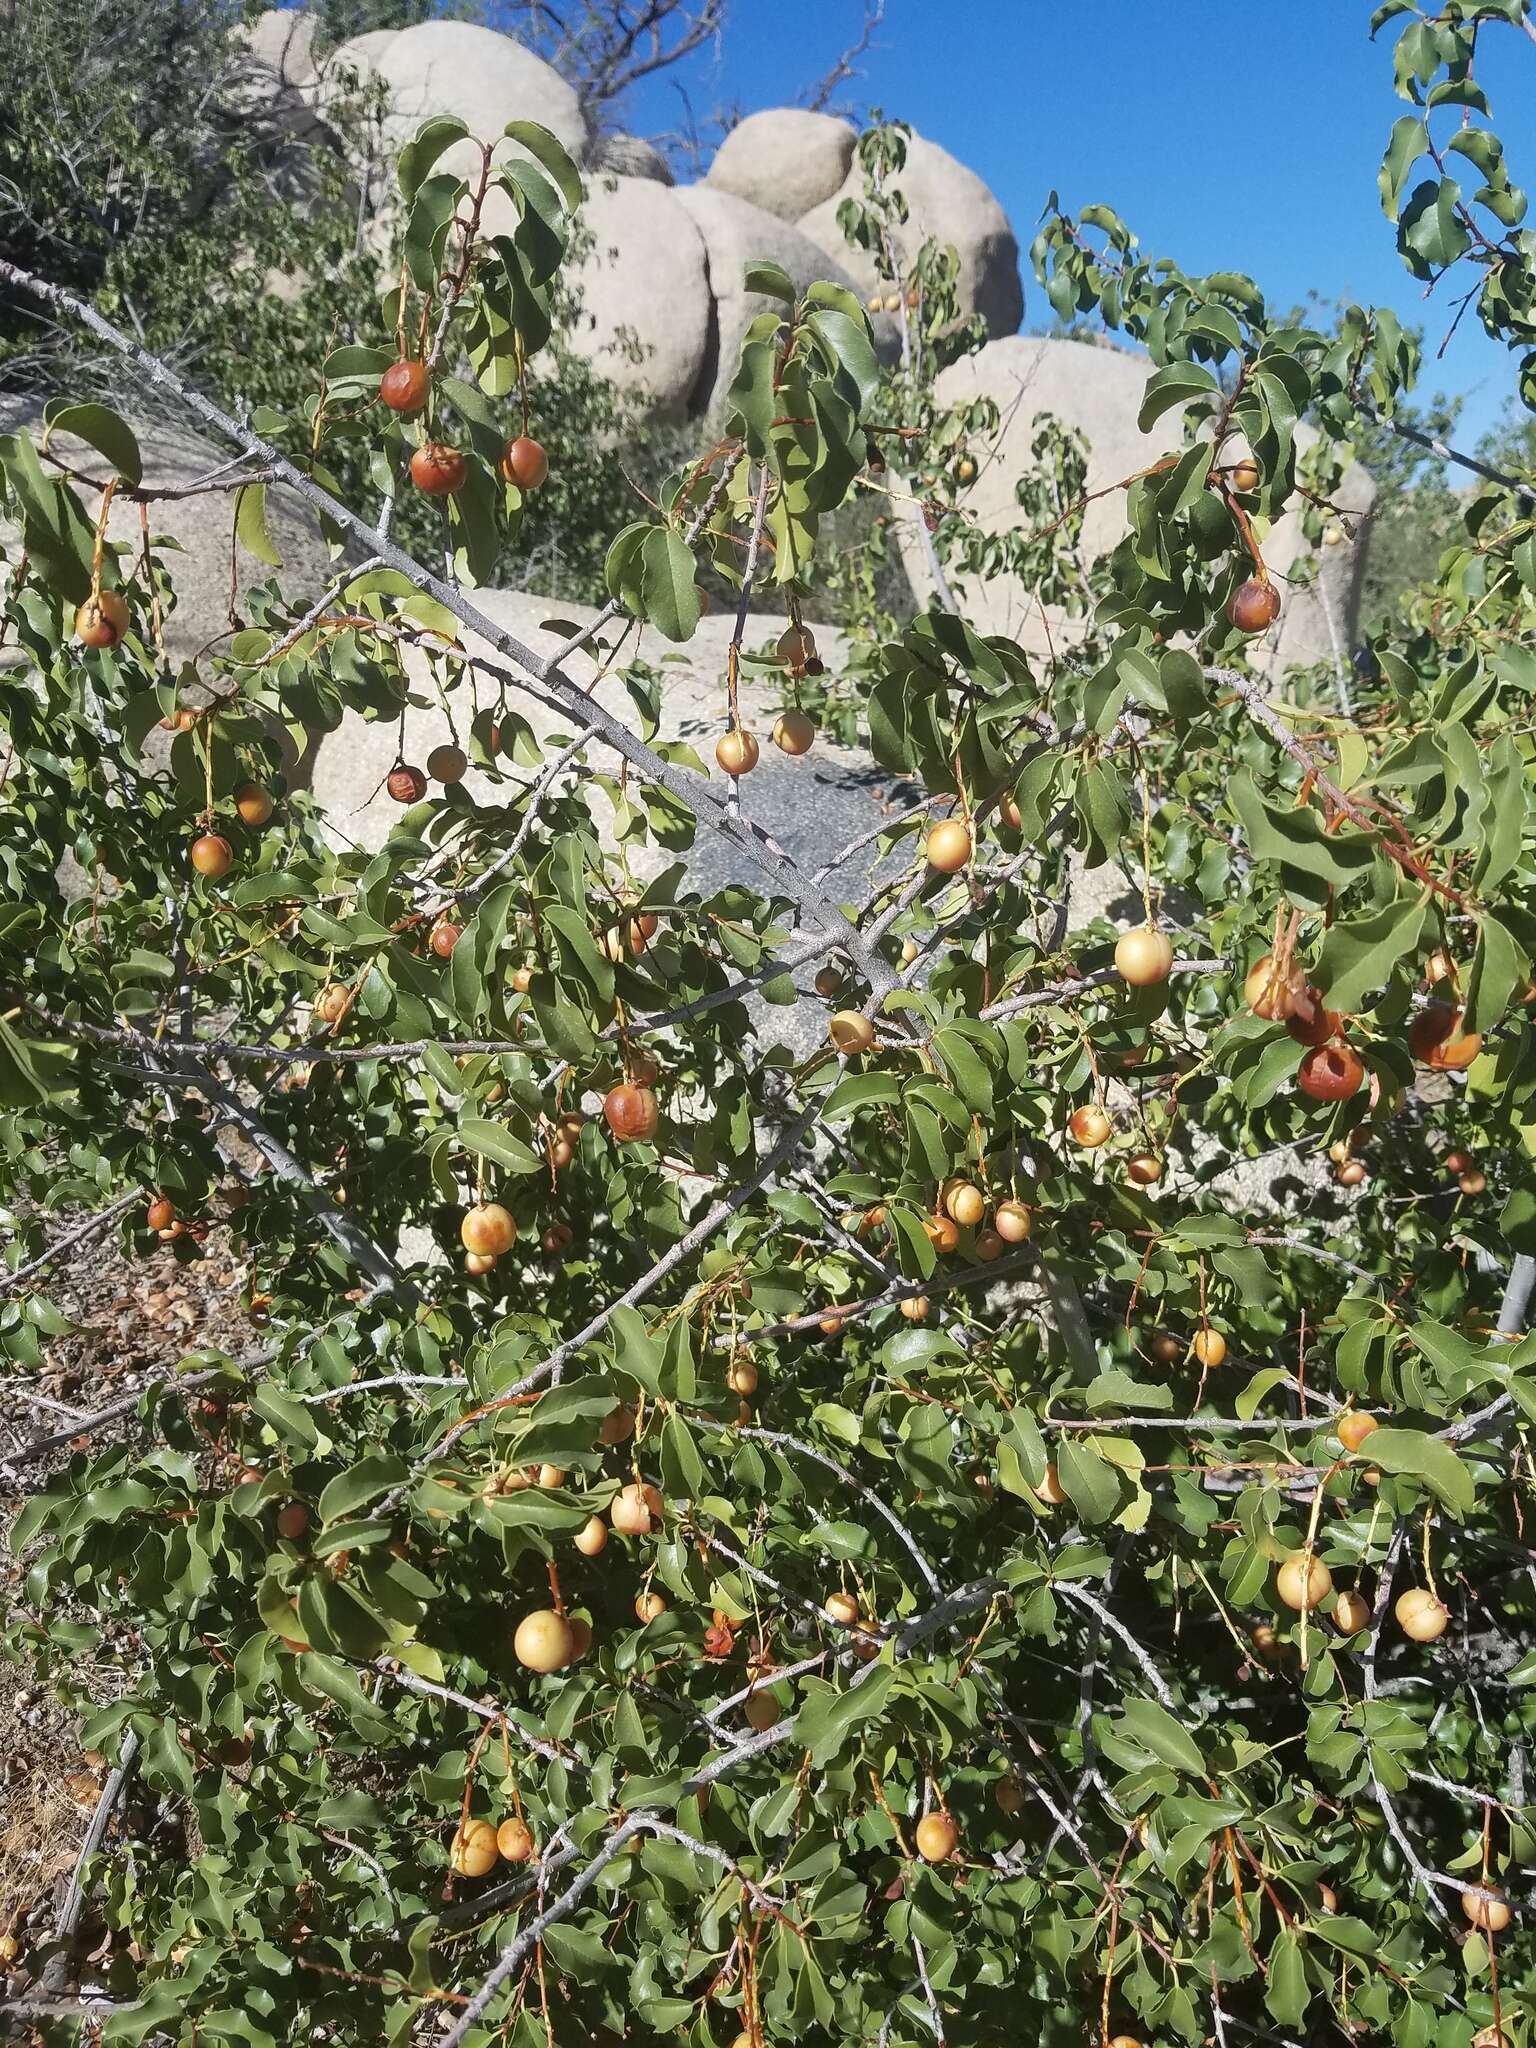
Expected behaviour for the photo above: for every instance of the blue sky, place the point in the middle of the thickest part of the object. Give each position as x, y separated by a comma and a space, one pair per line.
1228, 134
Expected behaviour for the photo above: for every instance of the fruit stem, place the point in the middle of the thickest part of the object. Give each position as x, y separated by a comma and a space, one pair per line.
1429, 1570
554, 1587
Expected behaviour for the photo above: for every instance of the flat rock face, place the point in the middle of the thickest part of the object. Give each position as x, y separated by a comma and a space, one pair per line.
950, 204
784, 160
736, 233
454, 67
647, 275
1099, 391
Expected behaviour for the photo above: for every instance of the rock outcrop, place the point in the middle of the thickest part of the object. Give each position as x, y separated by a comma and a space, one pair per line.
1098, 390
950, 204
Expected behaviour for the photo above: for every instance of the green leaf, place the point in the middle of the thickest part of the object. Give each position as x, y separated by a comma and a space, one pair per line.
1420, 1456
1499, 966
251, 525
1286, 1991
1360, 954
828, 1717
1174, 384
365, 1481
1154, 1728
1092, 1486
550, 151
669, 586
416, 159
769, 278
497, 1143
106, 431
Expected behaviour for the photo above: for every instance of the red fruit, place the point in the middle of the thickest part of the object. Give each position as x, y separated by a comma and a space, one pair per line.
444, 938
1254, 605
404, 387
524, 463
1309, 1023
406, 785
160, 1214
631, 1113
438, 470
1330, 1073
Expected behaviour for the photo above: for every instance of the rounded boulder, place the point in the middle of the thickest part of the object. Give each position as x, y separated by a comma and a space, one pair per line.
784, 160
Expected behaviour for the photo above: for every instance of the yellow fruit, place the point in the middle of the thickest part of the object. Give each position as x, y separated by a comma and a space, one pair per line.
949, 846
1144, 1169
1209, 1348
514, 1841
937, 1837
543, 1641
473, 1851
793, 732
1491, 1915
851, 1033
966, 1204
1351, 1613
841, 1607
1354, 1429
488, 1229
1051, 1490
742, 1377
648, 1607
1302, 1581
762, 1711
1420, 1616
1143, 956
254, 803
915, 1308
630, 1513
591, 1536
1089, 1127
1012, 1222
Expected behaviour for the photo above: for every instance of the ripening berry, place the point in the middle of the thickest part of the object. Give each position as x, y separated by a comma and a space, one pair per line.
937, 1837
543, 1641
1254, 606
1089, 1127
1209, 1348
1012, 1222
1354, 1428
333, 1003
793, 732
211, 855
737, 752
949, 846
1351, 1613
1491, 1915
966, 1204
1144, 956
447, 764
649, 1607
525, 463
102, 620
631, 1113
514, 1840
444, 938
473, 1851
254, 803
762, 1711
404, 387
1144, 1169
1421, 1616
438, 470
1303, 1581
488, 1229
407, 785
1244, 475
160, 1214
592, 1536
850, 1032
